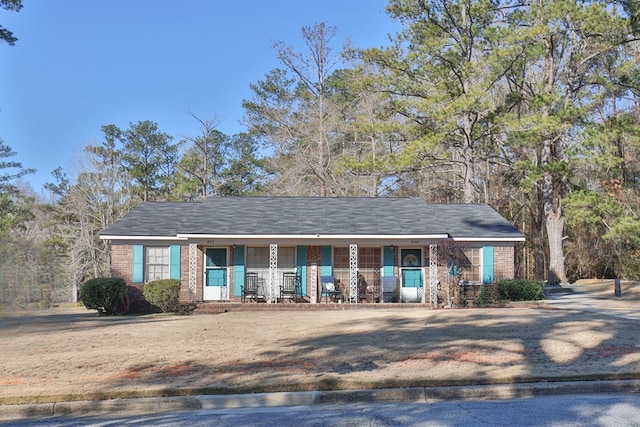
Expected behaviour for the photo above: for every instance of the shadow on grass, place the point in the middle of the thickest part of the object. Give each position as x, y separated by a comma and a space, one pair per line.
368, 349
509, 346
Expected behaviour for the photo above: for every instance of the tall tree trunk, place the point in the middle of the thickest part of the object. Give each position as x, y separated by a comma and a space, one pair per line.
552, 194
469, 189
555, 228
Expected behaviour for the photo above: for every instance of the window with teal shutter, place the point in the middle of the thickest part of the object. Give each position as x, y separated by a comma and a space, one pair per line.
301, 267
238, 270
137, 266
326, 269
174, 262
387, 261
487, 264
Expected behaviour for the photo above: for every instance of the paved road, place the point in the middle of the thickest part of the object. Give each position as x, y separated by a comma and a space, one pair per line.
603, 410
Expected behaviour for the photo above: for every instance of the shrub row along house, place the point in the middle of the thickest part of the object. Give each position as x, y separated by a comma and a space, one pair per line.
351, 250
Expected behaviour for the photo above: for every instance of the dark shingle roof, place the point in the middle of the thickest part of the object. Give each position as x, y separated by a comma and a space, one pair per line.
313, 215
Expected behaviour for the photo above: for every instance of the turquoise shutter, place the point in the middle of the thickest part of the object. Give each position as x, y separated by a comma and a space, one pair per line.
487, 264
301, 265
238, 270
387, 259
174, 262
326, 269
137, 266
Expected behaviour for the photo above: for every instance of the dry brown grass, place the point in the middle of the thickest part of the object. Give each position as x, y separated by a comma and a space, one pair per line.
67, 353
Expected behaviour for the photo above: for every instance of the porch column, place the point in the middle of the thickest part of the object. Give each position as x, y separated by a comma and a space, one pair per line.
193, 271
433, 275
314, 284
353, 273
273, 272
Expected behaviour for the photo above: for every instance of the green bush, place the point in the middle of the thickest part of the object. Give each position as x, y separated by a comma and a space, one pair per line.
520, 290
164, 293
105, 294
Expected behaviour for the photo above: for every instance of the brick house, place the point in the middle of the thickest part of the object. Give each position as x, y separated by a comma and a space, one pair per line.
366, 249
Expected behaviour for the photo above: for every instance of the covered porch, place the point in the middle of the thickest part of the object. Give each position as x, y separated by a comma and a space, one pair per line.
330, 272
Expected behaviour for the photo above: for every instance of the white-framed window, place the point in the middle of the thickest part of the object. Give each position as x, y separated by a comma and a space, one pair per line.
157, 263
369, 263
286, 258
471, 264
258, 258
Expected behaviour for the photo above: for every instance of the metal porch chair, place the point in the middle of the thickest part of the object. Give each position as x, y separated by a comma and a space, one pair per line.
250, 287
289, 286
330, 289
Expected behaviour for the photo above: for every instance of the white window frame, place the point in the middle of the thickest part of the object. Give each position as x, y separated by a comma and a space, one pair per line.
478, 266
161, 263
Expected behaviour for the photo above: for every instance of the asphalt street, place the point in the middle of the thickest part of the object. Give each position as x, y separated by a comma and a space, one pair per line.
602, 410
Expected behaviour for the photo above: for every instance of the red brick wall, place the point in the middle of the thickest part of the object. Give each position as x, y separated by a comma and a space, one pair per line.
504, 262
184, 274
121, 265
314, 256
121, 259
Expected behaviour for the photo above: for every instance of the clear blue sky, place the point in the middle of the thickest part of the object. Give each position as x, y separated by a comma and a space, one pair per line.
81, 64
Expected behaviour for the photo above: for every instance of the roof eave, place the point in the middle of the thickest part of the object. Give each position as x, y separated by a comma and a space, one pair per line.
488, 239
131, 237
317, 236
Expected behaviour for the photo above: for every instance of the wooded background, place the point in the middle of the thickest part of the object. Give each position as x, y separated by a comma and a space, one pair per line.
528, 106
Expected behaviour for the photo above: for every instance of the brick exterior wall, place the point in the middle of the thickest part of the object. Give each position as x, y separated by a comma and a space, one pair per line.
184, 274
185, 296
121, 266
504, 262
121, 259
314, 256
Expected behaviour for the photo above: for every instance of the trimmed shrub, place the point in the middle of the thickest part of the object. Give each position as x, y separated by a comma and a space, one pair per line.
520, 290
164, 293
105, 294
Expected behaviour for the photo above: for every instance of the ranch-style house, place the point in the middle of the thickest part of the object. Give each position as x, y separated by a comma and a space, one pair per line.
312, 249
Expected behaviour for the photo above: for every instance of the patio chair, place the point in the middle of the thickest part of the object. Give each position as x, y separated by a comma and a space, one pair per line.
250, 287
389, 284
362, 290
330, 289
289, 286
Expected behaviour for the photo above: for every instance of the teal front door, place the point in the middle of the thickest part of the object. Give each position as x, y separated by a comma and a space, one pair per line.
411, 273
215, 287
412, 277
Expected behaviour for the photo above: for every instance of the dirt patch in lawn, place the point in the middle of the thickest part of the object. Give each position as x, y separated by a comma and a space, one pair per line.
68, 353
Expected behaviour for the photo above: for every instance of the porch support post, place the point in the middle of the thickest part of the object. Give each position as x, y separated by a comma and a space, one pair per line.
273, 272
314, 284
353, 273
433, 275
193, 271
